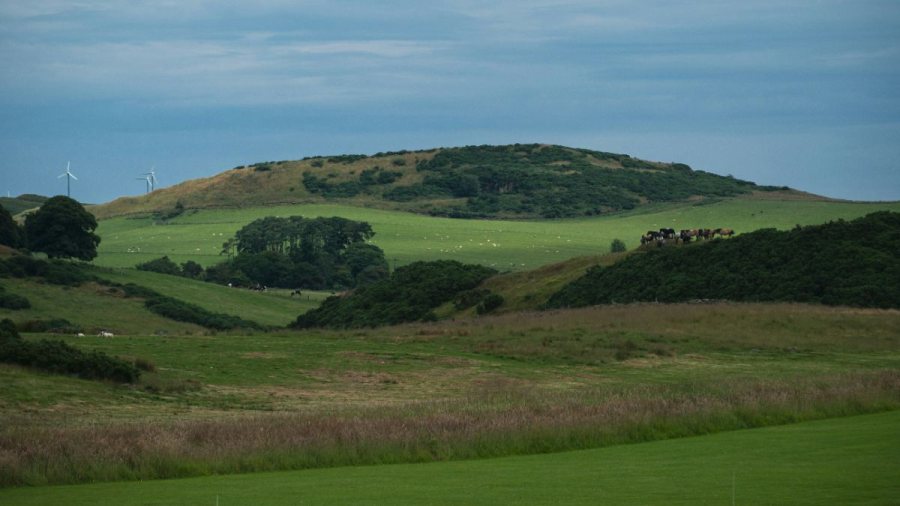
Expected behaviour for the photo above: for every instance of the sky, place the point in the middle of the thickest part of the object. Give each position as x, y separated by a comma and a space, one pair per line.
798, 93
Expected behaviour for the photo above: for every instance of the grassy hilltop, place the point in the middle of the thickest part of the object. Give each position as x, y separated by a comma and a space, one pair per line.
515, 181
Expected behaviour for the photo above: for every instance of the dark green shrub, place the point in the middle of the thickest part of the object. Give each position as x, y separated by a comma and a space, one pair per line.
53, 326
13, 301
411, 293
490, 303
161, 265
59, 357
617, 246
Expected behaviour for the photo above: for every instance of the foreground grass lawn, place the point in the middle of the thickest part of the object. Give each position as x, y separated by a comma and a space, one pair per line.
853, 460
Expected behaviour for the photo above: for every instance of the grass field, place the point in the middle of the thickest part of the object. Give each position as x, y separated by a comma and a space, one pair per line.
94, 307
511, 384
849, 461
504, 245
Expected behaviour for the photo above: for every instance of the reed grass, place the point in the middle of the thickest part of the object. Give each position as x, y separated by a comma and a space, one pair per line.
493, 420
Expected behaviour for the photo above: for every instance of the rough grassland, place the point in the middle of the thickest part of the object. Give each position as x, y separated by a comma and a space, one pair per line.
504, 245
511, 384
845, 461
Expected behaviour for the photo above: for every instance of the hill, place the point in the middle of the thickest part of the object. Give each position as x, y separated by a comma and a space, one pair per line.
513, 181
24, 202
839, 263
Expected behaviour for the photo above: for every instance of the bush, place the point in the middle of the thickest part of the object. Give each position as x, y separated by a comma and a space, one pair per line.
59, 357
161, 265
55, 272
13, 301
490, 303
53, 326
617, 246
411, 294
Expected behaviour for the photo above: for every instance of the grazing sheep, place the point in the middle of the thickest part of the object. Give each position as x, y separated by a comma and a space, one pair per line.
104, 333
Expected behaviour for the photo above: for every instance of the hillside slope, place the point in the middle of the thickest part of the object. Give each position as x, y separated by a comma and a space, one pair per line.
840, 263
514, 181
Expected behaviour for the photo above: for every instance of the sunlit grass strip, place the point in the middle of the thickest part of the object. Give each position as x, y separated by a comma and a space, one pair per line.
494, 421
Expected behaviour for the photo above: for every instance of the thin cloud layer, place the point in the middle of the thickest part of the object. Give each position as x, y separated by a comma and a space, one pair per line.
96, 80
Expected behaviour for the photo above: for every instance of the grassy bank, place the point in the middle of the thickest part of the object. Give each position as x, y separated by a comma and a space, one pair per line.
848, 461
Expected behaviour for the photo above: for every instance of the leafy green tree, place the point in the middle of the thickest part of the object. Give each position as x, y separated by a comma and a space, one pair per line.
617, 246
162, 265
10, 234
62, 228
191, 269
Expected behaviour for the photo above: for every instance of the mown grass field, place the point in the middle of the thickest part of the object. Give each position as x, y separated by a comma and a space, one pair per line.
504, 245
511, 384
848, 461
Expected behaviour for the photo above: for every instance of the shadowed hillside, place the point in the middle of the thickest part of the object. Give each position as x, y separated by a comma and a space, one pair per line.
840, 263
514, 181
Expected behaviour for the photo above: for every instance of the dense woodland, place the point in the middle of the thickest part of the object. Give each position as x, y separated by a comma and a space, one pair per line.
411, 293
532, 180
854, 263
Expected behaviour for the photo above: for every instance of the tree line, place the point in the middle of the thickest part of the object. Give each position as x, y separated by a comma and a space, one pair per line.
853, 263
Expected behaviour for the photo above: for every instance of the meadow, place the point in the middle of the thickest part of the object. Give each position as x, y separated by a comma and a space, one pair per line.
847, 461
503, 245
511, 384
94, 306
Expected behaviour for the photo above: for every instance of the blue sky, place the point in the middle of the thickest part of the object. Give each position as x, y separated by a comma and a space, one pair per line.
798, 93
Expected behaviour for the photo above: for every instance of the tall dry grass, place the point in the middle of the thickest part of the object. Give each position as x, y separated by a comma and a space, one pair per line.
496, 419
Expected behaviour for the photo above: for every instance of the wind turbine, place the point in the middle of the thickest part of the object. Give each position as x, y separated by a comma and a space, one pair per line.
149, 183
69, 177
151, 177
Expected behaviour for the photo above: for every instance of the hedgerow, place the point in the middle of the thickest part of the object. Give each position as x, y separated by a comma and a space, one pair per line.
411, 294
59, 357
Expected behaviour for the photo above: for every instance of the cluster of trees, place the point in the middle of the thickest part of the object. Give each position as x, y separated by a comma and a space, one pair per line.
839, 263
298, 252
59, 357
410, 294
553, 182
61, 228
368, 178
165, 265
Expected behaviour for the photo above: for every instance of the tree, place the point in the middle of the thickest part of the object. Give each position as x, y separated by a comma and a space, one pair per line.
617, 246
10, 234
62, 228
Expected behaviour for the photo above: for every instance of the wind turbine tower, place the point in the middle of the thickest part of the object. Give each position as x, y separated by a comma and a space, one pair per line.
151, 177
149, 183
69, 177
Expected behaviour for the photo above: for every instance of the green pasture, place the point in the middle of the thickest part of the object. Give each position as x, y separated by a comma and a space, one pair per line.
852, 460
94, 307
504, 245
273, 307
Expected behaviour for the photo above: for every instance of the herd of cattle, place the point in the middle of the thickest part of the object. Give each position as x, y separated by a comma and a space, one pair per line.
660, 237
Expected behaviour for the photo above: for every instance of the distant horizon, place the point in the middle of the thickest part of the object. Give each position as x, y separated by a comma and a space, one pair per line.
213, 174
783, 93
